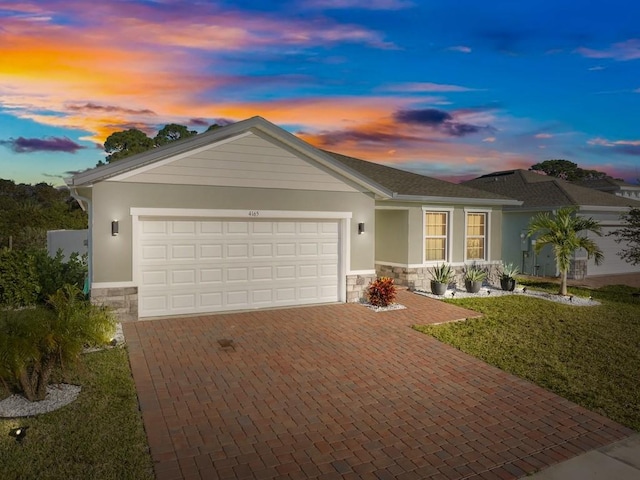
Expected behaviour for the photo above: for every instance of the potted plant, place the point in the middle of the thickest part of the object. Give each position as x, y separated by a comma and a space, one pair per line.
442, 276
473, 277
508, 277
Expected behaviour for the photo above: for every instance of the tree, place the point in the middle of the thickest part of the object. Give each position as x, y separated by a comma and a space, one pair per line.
35, 341
630, 234
122, 144
171, 133
567, 170
564, 232
28, 211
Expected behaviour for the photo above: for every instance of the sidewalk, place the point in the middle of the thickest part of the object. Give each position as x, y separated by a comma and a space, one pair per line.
619, 461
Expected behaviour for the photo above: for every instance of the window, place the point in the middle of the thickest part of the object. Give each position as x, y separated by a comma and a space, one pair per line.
476, 236
435, 236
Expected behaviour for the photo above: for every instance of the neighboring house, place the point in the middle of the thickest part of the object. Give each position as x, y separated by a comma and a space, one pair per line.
250, 216
542, 193
617, 187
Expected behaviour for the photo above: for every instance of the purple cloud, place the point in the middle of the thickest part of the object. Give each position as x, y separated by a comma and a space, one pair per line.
49, 144
438, 120
93, 107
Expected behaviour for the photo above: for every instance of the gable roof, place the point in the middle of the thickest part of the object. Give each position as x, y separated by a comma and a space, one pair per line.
385, 182
543, 191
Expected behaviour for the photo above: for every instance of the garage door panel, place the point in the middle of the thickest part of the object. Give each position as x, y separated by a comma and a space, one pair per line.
308, 249
155, 278
183, 252
262, 297
211, 301
183, 228
211, 251
210, 265
150, 227
238, 274
238, 298
154, 252
183, 301
238, 251
262, 228
183, 277
262, 273
237, 228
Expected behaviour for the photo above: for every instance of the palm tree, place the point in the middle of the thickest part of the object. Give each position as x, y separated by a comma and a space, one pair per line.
563, 233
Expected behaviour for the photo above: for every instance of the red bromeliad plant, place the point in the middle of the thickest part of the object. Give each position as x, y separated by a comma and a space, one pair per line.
382, 292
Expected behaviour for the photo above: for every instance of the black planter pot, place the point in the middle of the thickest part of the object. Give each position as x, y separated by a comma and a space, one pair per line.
472, 287
508, 284
438, 288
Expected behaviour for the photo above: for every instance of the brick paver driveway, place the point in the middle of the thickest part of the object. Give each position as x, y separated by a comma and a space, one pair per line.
339, 391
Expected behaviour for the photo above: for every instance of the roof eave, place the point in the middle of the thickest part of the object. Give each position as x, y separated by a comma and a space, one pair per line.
457, 200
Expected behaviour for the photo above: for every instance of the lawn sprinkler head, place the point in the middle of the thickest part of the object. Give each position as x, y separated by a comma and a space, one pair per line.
19, 433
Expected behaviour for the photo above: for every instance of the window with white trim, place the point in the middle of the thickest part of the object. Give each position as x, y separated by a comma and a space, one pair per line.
435, 236
476, 237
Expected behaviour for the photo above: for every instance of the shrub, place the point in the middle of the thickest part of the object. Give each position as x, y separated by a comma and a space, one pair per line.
475, 274
34, 341
442, 273
19, 278
509, 271
28, 277
381, 292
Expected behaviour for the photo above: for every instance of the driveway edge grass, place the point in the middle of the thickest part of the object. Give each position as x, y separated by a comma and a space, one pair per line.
589, 355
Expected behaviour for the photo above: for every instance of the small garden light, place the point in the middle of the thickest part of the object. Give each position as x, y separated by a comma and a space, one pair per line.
19, 433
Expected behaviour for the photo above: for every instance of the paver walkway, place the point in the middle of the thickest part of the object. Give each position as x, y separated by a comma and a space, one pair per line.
339, 391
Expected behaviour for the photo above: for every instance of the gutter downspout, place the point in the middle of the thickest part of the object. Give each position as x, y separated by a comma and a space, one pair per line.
85, 204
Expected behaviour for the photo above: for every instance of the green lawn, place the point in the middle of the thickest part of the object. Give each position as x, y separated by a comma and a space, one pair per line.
98, 436
590, 355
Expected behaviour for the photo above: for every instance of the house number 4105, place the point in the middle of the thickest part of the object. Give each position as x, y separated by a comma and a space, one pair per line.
254, 213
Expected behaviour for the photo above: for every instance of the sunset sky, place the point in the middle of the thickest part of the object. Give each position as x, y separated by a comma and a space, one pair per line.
450, 89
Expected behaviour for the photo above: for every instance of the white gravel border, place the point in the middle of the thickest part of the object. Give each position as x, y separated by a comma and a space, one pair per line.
491, 291
57, 397
388, 308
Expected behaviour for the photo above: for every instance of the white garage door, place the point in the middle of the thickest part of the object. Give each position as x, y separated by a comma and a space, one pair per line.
199, 266
612, 263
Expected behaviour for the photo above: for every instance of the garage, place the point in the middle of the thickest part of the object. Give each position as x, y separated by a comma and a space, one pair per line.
612, 264
200, 265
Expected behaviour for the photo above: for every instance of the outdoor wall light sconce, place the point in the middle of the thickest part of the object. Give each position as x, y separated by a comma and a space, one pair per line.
360, 228
19, 433
115, 228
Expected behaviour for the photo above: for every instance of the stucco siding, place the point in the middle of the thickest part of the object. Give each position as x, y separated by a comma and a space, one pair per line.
391, 236
112, 256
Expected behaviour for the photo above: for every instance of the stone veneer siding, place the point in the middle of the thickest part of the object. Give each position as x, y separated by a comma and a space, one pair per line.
357, 287
419, 278
123, 301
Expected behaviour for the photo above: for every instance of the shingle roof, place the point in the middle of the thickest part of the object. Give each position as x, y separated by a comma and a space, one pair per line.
536, 190
412, 184
607, 184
